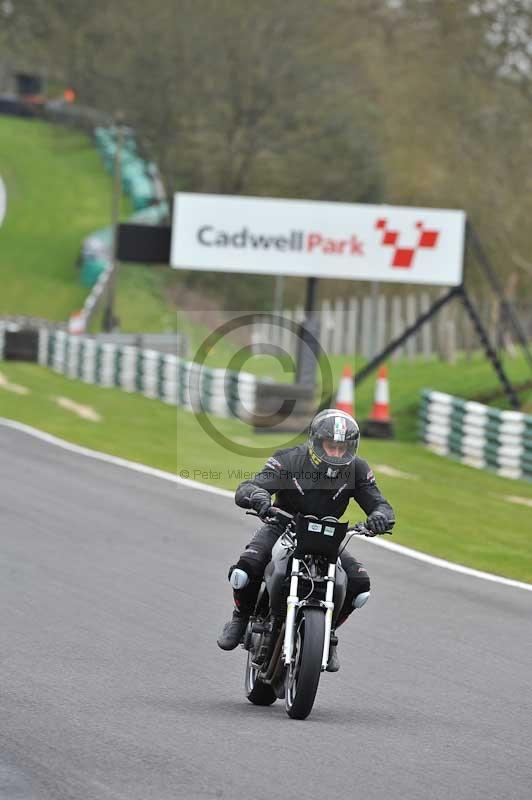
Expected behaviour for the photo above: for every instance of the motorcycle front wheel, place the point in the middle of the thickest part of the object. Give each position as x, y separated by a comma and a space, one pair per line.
303, 674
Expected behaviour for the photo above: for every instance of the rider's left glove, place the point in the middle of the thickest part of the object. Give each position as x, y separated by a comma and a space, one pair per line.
377, 522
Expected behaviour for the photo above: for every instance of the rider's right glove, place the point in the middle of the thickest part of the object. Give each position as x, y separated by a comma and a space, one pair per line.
377, 522
260, 501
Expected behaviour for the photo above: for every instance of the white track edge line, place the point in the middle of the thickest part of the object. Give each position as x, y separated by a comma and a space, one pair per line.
205, 487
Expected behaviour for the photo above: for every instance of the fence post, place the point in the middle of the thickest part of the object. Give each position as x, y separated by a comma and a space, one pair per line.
325, 330
410, 320
380, 323
397, 324
338, 327
288, 337
426, 331
367, 331
352, 327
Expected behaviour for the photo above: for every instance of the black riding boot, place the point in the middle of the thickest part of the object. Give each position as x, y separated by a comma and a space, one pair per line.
233, 631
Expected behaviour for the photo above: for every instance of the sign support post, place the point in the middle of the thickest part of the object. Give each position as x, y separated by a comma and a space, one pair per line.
308, 337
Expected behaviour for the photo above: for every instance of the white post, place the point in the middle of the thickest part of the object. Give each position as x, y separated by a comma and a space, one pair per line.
44, 336
410, 319
397, 324
380, 323
288, 338
325, 326
426, 330
338, 346
368, 328
351, 327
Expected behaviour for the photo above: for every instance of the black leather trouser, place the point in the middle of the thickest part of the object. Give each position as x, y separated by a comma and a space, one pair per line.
258, 553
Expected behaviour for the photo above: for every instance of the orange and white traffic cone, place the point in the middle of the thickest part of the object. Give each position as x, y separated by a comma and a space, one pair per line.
345, 397
379, 424
381, 404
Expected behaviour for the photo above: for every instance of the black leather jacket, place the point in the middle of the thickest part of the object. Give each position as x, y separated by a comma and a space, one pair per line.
299, 486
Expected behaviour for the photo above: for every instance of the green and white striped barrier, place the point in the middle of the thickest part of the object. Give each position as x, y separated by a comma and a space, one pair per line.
478, 435
161, 376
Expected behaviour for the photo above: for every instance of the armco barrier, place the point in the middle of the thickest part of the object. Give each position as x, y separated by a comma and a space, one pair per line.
161, 376
478, 435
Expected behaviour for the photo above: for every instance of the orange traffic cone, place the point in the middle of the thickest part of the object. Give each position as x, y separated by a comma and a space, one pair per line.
379, 424
345, 397
381, 404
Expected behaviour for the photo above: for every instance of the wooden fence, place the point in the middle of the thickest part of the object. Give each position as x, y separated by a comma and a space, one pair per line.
363, 325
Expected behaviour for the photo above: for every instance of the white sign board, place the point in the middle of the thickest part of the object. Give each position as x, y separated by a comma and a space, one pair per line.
362, 242
3, 200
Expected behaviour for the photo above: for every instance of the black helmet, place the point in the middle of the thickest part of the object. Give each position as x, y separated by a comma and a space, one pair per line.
337, 426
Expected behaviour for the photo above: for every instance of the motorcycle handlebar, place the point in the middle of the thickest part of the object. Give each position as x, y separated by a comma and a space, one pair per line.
361, 530
273, 514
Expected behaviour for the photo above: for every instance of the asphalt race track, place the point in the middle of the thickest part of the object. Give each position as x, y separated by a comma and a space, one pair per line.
112, 590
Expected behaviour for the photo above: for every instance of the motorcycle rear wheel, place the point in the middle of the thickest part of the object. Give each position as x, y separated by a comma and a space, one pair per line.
303, 675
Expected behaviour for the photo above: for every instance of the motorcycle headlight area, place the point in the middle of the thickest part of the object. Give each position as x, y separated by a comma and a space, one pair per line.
319, 537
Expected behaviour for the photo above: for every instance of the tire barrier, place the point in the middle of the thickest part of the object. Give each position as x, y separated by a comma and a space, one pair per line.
161, 376
479, 436
140, 179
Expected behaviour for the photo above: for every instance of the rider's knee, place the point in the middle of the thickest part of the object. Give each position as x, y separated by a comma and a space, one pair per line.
252, 563
359, 583
361, 599
238, 578
245, 573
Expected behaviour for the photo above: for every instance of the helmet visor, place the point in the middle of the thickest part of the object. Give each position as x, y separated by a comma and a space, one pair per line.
334, 453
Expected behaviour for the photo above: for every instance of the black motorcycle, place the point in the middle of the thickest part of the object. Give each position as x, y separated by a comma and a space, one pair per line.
289, 634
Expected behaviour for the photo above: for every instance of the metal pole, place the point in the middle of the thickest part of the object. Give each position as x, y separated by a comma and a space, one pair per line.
490, 351
409, 331
110, 321
309, 331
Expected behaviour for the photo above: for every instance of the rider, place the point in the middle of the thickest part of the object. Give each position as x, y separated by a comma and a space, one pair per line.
319, 477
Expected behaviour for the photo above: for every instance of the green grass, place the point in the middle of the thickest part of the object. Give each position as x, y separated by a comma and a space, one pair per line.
141, 303
448, 509
58, 193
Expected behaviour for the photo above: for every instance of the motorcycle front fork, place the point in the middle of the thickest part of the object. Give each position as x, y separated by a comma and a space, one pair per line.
293, 603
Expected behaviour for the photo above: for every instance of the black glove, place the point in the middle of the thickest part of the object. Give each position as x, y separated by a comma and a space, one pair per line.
377, 522
260, 501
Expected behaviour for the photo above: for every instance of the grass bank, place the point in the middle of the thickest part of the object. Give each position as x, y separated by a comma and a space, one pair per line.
58, 193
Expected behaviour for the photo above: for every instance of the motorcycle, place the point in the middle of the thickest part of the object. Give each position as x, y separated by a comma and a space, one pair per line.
289, 634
